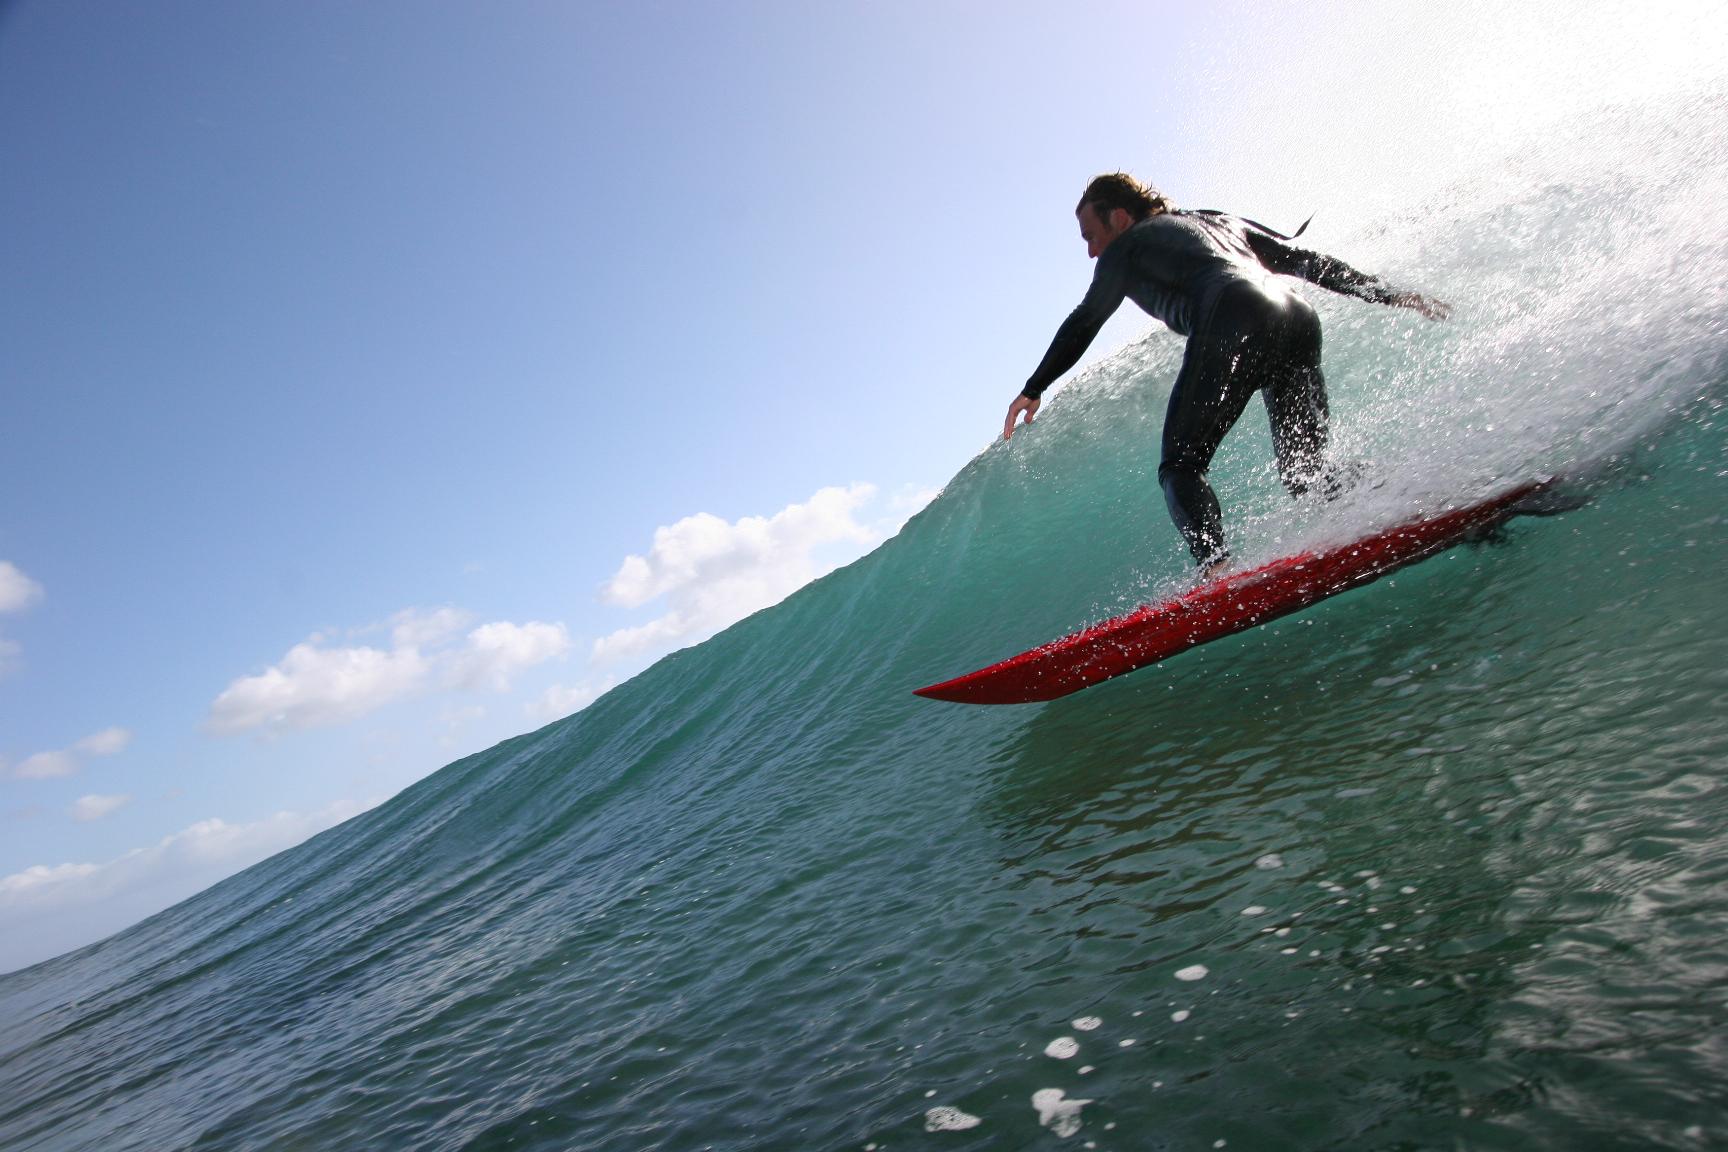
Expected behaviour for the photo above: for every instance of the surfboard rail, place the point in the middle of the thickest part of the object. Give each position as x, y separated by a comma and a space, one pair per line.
1219, 608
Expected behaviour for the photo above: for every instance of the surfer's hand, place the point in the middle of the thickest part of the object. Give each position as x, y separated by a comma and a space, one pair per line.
1021, 404
1427, 305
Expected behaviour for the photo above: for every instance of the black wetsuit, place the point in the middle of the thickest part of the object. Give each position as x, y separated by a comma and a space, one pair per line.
1206, 275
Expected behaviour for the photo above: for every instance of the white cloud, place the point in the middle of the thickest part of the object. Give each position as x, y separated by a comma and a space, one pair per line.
41, 876
108, 742
67, 761
46, 910
47, 766
562, 700
17, 591
87, 808
496, 652
660, 634
713, 573
317, 685
414, 628
907, 503
706, 572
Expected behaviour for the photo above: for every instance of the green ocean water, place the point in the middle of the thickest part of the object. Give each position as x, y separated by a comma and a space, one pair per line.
1440, 863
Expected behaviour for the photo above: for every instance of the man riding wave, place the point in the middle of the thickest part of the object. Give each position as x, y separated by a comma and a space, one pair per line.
1212, 278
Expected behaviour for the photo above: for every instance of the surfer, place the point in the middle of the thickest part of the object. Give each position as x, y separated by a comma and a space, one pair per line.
1208, 277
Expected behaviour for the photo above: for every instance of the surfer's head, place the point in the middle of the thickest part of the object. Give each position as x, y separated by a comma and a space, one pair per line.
1111, 205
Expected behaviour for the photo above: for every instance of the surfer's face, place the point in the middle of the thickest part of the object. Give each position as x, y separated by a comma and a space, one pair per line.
1098, 233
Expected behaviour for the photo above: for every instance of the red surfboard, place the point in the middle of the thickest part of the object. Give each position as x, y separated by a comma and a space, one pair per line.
1154, 632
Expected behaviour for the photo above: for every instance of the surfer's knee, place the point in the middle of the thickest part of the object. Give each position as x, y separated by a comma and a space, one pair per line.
1181, 483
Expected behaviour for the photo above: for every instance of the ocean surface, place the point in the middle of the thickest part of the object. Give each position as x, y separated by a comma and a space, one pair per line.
1439, 863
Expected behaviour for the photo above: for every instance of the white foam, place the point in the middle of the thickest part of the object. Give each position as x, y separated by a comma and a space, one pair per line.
949, 1119
1056, 1112
1062, 1048
1192, 972
1180, 1015
1254, 910
1088, 1023
1269, 862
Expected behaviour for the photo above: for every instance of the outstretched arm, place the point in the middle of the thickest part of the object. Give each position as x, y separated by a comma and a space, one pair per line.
1336, 276
1072, 339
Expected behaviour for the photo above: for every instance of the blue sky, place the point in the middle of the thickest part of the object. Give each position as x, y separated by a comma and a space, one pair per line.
350, 353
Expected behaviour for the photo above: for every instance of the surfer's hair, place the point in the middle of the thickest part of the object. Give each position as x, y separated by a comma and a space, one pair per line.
1120, 190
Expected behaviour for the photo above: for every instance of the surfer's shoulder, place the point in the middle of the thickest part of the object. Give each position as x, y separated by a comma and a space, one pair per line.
1155, 231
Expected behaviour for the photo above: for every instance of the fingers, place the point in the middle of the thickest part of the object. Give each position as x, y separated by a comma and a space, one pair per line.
1428, 306
1021, 404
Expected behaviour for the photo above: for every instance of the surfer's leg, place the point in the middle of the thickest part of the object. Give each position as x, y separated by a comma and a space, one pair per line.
1194, 509
1217, 378
1190, 440
1295, 392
